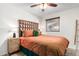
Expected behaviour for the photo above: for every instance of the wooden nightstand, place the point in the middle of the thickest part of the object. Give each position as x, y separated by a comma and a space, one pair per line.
13, 45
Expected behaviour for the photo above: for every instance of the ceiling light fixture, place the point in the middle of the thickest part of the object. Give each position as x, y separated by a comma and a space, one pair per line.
43, 6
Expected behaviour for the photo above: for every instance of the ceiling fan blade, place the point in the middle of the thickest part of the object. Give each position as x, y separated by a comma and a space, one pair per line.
52, 4
34, 5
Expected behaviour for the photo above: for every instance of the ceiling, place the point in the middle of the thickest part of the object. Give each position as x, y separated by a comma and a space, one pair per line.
37, 11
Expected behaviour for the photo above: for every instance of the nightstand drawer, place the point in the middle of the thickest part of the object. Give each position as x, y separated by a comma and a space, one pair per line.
13, 45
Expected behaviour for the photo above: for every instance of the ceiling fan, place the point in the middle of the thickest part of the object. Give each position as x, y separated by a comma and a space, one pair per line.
44, 5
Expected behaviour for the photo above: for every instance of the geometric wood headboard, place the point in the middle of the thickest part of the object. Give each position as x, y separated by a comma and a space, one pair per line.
27, 25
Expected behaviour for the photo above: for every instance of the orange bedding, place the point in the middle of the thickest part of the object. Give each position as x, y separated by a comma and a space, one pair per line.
45, 45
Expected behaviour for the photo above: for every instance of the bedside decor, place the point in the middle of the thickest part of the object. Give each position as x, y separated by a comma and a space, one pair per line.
13, 32
14, 35
53, 24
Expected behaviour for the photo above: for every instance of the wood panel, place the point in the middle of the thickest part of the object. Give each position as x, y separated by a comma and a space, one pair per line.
27, 25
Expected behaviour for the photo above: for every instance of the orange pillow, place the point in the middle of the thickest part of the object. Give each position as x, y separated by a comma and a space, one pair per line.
28, 33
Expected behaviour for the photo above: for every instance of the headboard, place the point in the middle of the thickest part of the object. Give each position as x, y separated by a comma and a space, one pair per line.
27, 25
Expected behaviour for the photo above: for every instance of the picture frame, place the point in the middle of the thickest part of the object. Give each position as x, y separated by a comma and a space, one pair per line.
53, 24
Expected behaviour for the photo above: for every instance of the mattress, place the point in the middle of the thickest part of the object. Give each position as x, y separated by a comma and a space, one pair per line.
44, 45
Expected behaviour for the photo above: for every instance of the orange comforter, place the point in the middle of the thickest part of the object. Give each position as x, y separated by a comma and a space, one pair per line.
45, 45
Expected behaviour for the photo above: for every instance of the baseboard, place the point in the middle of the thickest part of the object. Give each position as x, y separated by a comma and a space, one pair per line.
13, 52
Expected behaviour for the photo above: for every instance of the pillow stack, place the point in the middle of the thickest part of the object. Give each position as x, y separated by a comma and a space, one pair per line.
30, 33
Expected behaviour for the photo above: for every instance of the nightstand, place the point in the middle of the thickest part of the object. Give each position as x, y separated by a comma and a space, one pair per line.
13, 45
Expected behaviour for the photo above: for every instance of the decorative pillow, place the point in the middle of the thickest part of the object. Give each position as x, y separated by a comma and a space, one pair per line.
28, 33
39, 32
35, 33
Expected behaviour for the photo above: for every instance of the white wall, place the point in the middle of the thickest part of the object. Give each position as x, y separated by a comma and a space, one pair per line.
9, 14
67, 24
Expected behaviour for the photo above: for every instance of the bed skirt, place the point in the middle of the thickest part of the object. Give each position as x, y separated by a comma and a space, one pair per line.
27, 52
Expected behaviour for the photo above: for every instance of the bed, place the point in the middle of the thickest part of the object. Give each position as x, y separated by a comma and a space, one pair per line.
42, 45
